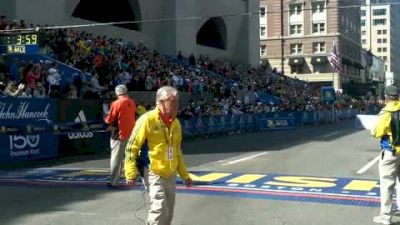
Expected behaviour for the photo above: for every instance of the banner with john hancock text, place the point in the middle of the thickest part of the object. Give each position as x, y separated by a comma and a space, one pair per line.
24, 111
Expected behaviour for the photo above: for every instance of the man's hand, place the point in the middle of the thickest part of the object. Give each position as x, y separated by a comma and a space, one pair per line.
21, 86
131, 182
188, 182
111, 128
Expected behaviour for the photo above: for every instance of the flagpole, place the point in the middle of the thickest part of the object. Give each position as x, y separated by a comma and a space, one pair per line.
335, 65
334, 98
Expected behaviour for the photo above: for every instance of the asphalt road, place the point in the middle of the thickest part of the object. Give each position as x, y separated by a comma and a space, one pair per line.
327, 154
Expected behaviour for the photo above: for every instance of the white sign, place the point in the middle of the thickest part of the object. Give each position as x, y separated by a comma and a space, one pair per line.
21, 111
23, 145
22, 141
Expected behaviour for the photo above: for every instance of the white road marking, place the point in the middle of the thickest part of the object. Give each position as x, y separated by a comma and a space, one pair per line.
368, 165
331, 134
244, 159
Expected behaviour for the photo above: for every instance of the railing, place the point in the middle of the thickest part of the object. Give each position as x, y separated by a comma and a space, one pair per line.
37, 129
244, 123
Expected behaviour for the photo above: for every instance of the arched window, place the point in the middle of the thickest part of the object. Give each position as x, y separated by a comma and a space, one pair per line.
213, 34
110, 11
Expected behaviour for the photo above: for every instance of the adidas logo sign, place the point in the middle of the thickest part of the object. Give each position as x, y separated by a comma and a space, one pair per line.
81, 117
80, 135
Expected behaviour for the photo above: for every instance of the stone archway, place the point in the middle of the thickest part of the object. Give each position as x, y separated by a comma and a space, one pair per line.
110, 11
213, 34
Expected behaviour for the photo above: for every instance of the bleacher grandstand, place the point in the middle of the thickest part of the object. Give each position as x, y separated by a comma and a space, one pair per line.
75, 71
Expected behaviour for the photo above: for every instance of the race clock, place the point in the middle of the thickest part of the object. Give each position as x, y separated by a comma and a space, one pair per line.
19, 43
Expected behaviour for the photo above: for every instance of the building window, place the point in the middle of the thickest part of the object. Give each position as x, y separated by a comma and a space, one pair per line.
318, 7
386, 67
362, 22
363, 32
262, 31
295, 9
363, 13
384, 31
379, 40
319, 47
296, 48
263, 50
384, 49
384, 58
379, 49
318, 28
262, 12
384, 40
379, 12
296, 29
297, 69
364, 41
379, 31
378, 22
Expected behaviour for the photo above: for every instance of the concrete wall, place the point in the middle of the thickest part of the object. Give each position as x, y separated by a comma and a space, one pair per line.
168, 36
242, 30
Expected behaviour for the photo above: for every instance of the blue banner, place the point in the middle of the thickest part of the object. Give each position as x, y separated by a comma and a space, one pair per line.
25, 147
267, 123
23, 112
328, 94
80, 142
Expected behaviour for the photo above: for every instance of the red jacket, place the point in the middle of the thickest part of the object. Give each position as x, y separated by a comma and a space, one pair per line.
122, 114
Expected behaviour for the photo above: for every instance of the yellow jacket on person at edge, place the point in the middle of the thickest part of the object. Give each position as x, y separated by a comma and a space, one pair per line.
151, 139
382, 129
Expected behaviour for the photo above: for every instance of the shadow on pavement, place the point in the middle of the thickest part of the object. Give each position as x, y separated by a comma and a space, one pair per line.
20, 201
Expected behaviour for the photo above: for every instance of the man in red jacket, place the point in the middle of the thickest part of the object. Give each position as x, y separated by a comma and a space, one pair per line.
121, 120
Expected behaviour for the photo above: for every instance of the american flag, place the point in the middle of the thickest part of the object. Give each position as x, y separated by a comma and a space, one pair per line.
335, 63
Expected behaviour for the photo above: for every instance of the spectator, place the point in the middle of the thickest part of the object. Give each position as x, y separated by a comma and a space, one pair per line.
141, 109
3, 23
26, 93
121, 120
388, 131
96, 87
14, 70
32, 77
2, 88
162, 160
179, 56
192, 60
40, 91
54, 79
13, 90
71, 92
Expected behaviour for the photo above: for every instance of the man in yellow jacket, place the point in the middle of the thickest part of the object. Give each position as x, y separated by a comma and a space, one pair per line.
154, 151
388, 130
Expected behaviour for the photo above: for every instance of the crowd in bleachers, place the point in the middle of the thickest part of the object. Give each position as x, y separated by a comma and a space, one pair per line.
106, 62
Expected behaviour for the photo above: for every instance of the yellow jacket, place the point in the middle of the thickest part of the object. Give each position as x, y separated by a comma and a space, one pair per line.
140, 110
149, 129
382, 129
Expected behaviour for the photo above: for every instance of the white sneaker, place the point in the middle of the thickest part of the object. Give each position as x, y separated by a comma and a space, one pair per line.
382, 219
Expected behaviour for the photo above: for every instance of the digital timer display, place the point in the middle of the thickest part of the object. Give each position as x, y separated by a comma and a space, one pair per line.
19, 43
19, 39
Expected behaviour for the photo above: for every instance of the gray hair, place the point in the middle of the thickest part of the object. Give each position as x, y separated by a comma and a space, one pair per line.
165, 93
121, 89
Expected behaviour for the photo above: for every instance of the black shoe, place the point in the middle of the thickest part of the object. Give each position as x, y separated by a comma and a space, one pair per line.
111, 185
117, 187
